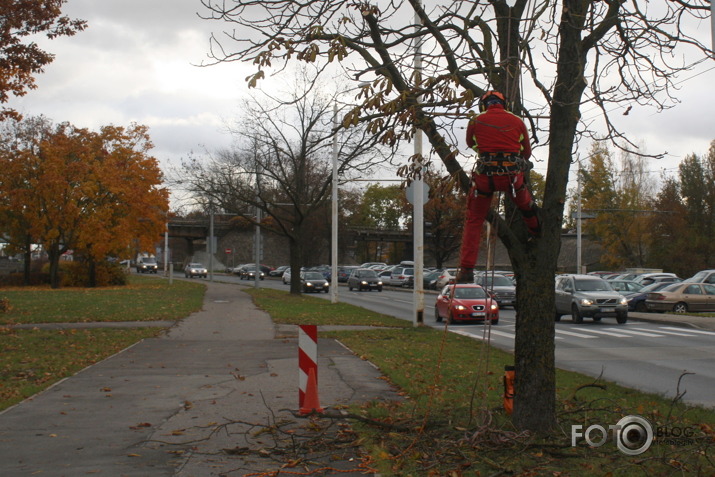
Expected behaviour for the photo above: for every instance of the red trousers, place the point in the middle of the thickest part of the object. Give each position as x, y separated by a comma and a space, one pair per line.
478, 203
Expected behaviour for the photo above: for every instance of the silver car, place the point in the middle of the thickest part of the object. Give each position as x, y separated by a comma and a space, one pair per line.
588, 296
195, 269
500, 287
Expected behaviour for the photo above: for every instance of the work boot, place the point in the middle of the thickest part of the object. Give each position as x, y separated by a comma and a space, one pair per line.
465, 275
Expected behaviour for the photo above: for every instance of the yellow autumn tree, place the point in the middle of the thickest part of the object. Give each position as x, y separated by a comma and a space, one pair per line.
69, 188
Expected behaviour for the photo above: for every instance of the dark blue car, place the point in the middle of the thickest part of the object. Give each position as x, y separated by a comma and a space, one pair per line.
636, 300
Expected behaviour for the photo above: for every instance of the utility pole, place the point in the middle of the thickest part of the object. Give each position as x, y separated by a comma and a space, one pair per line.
334, 214
418, 205
257, 238
578, 219
211, 243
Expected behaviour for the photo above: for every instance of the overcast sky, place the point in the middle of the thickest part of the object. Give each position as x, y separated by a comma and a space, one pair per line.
135, 63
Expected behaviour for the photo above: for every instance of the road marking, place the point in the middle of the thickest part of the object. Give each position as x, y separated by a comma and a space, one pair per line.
609, 333
637, 333
578, 335
711, 333
668, 333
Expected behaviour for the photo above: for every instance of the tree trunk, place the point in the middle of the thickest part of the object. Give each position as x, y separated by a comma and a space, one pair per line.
534, 351
53, 254
92, 272
535, 263
27, 266
296, 262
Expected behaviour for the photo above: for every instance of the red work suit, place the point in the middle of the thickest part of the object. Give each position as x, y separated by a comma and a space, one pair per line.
496, 131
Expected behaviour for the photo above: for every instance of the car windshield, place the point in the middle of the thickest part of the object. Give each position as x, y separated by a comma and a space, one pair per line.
148, 260
313, 276
196, 265
497, 281
698, 277
592, 285
367, 274
654, 287
470, 293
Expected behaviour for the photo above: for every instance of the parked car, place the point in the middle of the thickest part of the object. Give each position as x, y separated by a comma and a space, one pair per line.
324, 270
147, 265
447, 276
648, 278
278, 272
399, 276
364, 279
311, 281
429, 279
195, 269
625, 286
465, 302
682, 297
345, 271
704, 276
370, 264
588, 296
286, 276
248, 272
636, 300
500, 287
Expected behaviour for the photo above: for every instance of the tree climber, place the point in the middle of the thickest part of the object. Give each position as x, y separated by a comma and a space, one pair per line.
501, 141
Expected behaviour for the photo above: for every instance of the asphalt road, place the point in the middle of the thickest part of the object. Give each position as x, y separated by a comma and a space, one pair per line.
660, 358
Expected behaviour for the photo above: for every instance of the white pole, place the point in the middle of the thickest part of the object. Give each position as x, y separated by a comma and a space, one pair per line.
334, 225
257, 238
166, 250
418, 206
578, 220
712, 23
211, 244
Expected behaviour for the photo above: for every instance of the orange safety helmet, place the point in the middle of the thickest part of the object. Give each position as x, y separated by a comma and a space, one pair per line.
489, 98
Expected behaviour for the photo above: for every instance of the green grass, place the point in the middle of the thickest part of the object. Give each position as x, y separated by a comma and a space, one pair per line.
145, 298
452, 420
306, 310
33, 359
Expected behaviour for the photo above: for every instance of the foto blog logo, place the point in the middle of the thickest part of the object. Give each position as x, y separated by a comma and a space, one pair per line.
633, 435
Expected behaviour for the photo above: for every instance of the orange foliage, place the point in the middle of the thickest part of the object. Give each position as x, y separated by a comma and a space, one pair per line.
70, 188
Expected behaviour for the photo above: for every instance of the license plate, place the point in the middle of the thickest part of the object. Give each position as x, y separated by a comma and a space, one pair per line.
475, 315
607, 310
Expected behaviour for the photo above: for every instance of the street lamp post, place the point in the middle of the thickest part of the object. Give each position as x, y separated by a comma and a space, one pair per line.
418, 205
334, 213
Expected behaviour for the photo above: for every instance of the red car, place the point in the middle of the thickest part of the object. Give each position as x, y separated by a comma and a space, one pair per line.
466, 302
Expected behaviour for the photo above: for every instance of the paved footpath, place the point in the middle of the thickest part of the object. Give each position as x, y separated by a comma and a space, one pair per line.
213, 396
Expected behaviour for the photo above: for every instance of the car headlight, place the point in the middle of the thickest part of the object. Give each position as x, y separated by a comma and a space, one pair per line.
379, 283
586, 301
494, 307
624, 301
364, 282
309, 284
460, 307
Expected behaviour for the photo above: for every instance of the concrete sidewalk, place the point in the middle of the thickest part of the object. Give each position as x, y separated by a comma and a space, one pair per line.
696, 322
214, 396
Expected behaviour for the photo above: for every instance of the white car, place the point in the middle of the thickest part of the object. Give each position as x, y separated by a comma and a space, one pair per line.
195, 269
447, 276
